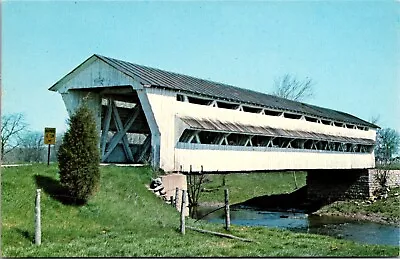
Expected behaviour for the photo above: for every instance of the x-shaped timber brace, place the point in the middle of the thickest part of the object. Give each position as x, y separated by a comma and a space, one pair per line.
120, 135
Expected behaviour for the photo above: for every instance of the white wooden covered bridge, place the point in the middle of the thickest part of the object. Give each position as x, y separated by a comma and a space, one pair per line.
175, 122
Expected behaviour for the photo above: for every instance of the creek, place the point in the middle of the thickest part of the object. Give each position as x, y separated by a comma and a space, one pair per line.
338, 227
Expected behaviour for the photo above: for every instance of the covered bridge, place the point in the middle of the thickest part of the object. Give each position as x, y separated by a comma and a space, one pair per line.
175, 121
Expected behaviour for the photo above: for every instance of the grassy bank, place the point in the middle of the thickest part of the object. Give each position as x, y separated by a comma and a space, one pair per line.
391, 166
246, 186
384, 211
125, 219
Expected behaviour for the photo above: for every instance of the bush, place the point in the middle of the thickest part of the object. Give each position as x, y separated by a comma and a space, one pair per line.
79, 156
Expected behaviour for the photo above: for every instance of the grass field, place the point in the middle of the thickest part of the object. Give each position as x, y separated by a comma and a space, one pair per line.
125, 219
246, 186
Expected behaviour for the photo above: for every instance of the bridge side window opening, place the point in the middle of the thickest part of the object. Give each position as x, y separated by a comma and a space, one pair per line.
263, 110
208, 137
220, 139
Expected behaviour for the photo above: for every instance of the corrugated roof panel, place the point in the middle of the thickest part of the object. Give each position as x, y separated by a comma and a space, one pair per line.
160, 78
230, 127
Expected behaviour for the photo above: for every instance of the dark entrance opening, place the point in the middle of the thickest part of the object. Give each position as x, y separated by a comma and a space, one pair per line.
125, 133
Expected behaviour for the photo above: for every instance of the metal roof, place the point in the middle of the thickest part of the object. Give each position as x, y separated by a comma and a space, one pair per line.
159, 78
216, 125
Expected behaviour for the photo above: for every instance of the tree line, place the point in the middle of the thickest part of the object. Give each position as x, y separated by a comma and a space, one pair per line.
19, 144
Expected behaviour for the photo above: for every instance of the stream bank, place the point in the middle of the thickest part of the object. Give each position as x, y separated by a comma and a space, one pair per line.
361, 217
334, 226
383, 211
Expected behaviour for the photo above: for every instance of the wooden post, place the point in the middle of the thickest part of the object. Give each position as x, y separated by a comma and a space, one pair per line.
171, 200
48, 156
183, 212
227, 211
38, 231
295, 180
177, 198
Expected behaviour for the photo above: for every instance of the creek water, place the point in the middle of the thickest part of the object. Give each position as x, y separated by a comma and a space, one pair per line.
339, 227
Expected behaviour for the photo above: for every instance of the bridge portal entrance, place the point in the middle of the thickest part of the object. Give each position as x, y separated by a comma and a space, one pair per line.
125, 133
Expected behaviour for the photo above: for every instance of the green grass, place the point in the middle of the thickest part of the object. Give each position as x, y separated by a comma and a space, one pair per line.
246, 186
392, 166
125, 219
388, 209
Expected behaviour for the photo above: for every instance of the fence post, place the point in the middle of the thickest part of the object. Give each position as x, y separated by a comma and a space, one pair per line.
171, 200
183, 212
227, 211
177, 198
38, 231
295, 180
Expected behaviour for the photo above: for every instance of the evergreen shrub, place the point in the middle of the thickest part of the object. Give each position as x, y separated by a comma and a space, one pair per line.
79, 156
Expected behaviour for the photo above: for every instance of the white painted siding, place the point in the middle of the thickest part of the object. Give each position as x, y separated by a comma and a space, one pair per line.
95, 74
73, 99
167, 111
230, 160
163, 105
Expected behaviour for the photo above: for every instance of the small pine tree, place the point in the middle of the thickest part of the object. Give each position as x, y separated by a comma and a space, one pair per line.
79, 156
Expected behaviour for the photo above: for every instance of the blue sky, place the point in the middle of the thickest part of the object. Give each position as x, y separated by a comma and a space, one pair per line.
350, 49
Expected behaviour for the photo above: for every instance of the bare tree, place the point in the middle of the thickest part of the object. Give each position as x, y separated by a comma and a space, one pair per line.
375, 119
195, 183
291, 88
387, 145
382, 178
31, 148
12, 128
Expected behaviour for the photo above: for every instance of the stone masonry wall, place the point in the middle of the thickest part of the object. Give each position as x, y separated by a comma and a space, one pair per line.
393, 179
332, 185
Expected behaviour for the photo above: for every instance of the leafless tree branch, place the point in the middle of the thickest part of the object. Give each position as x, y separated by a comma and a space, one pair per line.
291, 88
13, 125
375, 119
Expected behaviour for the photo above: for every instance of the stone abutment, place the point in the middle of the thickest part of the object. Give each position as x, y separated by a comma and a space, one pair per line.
332, 185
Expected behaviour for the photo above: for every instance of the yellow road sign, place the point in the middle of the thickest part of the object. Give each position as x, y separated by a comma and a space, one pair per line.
49, 136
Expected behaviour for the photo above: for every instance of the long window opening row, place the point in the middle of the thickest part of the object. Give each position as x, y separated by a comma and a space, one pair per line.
264, 111
236, 139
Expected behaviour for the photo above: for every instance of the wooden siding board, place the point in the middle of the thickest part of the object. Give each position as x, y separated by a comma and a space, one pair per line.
230, 160
148, 109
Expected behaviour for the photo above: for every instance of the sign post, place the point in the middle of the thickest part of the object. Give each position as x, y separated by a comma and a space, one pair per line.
49, 139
